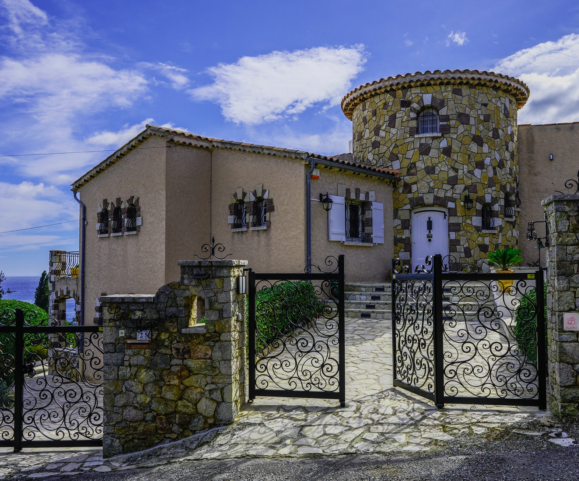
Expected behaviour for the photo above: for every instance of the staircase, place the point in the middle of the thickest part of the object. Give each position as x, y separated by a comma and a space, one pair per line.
368, 301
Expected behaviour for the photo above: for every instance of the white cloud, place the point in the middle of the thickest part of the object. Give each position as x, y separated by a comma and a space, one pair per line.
408, 43
174, 74
119, 138
551, 69
457, 37
260, 89
21, 12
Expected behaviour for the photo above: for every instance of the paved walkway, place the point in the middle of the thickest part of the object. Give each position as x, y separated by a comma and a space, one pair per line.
377, 419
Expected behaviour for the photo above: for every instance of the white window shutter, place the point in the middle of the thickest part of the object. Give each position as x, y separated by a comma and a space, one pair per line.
337, 219
377, 223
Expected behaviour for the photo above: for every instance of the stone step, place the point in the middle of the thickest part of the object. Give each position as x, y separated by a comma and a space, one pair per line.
368, 305
385, 314
368, 287
368, 296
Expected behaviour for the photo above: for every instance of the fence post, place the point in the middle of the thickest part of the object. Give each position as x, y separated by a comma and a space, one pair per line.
342, 333
18, 379
393, 308
251, 335
438, 332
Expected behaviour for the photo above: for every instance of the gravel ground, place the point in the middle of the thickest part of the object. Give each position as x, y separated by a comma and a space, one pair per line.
501, 454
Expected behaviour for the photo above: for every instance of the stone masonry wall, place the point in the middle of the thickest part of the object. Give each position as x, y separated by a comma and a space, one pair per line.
563, 296
475, 152
191, 376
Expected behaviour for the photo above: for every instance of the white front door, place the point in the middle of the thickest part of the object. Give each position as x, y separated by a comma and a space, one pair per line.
429, 235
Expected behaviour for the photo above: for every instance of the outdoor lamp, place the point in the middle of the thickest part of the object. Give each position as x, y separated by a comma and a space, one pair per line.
326, 202
241, 285
539, 244
468, 202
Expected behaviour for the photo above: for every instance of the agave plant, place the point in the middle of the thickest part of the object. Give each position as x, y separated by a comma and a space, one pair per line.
505, 258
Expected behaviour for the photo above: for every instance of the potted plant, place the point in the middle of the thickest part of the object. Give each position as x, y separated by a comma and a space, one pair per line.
74, 271
504, 259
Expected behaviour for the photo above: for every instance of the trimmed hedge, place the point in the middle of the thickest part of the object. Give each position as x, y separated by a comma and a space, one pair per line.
526, 325
283, 308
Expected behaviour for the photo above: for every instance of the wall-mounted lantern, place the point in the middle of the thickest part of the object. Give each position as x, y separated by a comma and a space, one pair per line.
468, 202
242, 285
326, 202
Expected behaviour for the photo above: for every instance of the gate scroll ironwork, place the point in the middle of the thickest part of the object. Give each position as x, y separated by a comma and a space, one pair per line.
475, 338
52, 382
296, 333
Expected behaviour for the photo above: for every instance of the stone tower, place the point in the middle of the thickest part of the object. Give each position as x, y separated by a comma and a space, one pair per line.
470, 148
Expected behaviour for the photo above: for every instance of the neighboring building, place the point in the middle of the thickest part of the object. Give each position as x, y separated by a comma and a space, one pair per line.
424, 146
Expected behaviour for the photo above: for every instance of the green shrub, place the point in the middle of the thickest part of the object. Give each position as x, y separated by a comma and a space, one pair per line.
526, 325
42, 294
283, 308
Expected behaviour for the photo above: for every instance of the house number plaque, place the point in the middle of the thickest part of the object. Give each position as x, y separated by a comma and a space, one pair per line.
144, 336
571, 321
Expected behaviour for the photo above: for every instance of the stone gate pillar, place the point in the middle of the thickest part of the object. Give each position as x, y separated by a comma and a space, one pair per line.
191, 375
562, 297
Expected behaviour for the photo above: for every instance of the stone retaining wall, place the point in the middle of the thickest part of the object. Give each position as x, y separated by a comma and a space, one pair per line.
190, 377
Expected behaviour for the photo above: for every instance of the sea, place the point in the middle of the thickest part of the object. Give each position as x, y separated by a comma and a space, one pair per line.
23, 289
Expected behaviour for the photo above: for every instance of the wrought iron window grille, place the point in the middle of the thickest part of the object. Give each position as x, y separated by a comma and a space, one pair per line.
239, 213
487, 217
428, 122
131, 219
117, 224
103, 217
259, 212
353, 222
509, 206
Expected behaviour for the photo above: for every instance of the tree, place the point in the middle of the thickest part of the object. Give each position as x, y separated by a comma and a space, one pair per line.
41, 296
2, 279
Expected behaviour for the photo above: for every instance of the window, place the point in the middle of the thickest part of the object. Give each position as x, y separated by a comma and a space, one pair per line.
131, 219
487, 217
354, 222
103, 222
428, 122
117, 225
258, 213
509, 206
239, 213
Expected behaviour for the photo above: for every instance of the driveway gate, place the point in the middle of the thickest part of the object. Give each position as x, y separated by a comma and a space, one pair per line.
296, 334
469, 337
51, 382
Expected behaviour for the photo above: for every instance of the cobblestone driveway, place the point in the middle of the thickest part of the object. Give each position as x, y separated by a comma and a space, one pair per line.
376, 419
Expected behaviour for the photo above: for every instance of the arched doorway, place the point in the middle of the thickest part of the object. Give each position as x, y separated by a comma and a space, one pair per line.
429, 234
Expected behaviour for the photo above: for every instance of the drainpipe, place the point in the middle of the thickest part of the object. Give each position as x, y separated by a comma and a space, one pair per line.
309, 211
82, 257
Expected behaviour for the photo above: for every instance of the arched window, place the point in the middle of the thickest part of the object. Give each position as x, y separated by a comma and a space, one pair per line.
117, 225
103, 221
487, 217
239, 213
428, 122
131, 219
258, 212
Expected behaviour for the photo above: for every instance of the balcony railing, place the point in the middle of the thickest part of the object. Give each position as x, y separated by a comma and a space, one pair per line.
65, 264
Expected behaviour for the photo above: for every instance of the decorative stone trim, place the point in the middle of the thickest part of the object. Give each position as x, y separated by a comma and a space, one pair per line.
109, 207
251, 201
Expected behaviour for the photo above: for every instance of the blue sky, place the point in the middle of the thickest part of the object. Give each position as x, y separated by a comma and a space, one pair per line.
84, 76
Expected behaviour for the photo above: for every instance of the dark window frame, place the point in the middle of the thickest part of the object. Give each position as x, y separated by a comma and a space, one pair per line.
259, 211
358, 226
487, 216
131, 219
239, 214
428, 121
117, 224
103, 217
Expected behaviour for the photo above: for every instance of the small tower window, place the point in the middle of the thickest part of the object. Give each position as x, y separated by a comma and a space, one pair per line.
131, 219
103, 222
239, 213
487, 217
428, 122
117, 225
509, 206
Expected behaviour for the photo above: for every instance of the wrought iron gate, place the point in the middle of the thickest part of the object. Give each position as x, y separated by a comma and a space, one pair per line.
469, 337
51, 382
296, 333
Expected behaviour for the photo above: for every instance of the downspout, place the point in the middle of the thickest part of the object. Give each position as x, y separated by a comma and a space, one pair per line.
82, 258
309, 212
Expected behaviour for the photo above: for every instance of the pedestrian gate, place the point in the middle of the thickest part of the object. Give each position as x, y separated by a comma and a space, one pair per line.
296, 333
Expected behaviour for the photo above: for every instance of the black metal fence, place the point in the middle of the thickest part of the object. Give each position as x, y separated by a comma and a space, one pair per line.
51, 382
469, 337
296, 333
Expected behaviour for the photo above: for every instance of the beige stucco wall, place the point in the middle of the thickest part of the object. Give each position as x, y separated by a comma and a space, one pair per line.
541, 177
363, 264
281, 248
187, 205
128, 263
